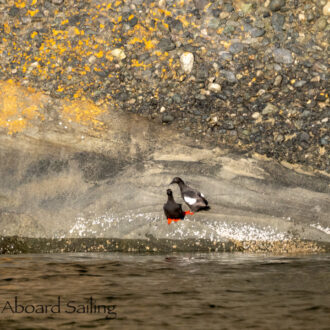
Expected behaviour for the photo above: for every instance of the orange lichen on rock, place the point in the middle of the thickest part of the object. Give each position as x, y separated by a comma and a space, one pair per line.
83, 112
18, 106
22, 107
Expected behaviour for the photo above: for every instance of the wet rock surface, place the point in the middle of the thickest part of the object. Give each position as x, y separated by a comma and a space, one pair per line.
18, 245
130, 56
58, 185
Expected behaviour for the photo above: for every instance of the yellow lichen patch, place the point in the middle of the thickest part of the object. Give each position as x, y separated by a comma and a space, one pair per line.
207, 6
165, 12
136, 63
226, 44
108, 56
20, 3
181, 3
33, 34
33, 12
6, 28
18, 106
76, 31
252, 81
183, 20
165, 24
148, 44
83, 112
30, 112
99, 54
142, 33
57, 32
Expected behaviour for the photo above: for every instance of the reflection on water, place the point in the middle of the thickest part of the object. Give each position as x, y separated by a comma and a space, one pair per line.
130, 291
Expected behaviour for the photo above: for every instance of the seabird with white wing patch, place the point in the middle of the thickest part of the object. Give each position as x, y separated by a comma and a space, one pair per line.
193, 198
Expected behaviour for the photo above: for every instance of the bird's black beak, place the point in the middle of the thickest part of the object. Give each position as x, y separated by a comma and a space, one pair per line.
172, 182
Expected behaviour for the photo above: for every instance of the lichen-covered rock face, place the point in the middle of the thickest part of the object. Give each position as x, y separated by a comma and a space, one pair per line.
141, 57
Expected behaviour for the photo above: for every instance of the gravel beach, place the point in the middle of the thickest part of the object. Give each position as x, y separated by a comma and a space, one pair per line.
250, 75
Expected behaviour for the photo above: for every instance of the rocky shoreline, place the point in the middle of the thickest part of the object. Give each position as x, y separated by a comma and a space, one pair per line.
251, 75
18, 245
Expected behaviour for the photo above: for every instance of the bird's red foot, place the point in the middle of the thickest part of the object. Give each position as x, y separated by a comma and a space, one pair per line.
169, 221
188, 212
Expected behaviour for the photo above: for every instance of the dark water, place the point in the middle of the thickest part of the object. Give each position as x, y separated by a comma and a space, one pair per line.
177, 291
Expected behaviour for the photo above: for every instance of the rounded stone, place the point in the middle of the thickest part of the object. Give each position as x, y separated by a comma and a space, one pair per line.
132, 22
310, 17
214, 87
118, 53
92, 59
269, 109
187, 62
303, 137
278, 22
326, 9
213, 24
276, 5
166, 45
282, 55
236, 47
320, 24
226, 56
324, 141
256, 115
229, 76
299, 83
278, 81
167, 118
257, 32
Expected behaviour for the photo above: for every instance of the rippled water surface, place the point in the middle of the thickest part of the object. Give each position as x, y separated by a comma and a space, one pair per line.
196, 291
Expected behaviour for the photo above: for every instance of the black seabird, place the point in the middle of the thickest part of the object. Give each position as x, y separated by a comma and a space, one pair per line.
193, 198
173, 210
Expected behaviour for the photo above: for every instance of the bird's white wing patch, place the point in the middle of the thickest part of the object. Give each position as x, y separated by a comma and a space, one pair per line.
190, 200
202, 195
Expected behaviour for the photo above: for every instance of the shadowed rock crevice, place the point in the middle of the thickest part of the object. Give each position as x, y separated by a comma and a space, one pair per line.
96, 167
44, 167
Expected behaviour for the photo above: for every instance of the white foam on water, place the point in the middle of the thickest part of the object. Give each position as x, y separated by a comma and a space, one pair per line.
131, 224
223, 230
